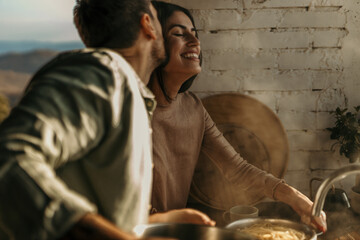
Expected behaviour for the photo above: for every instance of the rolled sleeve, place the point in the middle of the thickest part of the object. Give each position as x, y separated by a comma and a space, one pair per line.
236, 169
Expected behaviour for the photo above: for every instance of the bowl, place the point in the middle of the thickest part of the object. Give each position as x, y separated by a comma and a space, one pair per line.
243, 223
355, 199
189, 231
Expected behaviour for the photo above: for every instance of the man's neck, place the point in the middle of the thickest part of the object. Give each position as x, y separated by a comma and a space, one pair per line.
139, 61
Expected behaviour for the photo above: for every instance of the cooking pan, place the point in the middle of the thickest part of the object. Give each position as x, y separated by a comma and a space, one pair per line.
189, 232
243, 223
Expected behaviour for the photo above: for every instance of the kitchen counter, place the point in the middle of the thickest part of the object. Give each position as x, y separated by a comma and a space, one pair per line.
342, 225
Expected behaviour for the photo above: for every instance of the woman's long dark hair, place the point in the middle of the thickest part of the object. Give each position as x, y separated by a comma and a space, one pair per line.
164, 11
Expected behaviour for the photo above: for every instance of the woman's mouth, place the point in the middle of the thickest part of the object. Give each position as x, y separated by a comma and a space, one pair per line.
192, 56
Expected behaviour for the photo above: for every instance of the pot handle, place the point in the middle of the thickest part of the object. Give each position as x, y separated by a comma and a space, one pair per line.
226, 216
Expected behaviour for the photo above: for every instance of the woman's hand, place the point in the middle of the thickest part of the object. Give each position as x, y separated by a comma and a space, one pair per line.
301, 204
186, 215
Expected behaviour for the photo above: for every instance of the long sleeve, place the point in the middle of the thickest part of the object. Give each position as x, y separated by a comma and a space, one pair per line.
235, 169
60, 119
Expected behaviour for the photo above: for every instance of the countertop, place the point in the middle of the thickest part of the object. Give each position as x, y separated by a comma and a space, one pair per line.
342, 225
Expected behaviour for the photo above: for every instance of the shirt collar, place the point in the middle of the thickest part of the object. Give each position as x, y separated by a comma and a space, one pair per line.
147, 95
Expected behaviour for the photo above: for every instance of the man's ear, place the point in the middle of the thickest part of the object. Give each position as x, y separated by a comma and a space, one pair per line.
147, 25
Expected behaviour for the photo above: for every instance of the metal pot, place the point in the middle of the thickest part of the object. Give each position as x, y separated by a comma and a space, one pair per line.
189, 232
243, 223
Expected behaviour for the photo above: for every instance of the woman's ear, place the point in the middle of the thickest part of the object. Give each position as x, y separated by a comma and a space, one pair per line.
147, 25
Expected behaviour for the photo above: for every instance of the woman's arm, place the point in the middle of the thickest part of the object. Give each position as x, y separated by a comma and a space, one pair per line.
301, 204
250, 178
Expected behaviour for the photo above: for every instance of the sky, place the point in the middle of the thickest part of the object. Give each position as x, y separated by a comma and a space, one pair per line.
40, 20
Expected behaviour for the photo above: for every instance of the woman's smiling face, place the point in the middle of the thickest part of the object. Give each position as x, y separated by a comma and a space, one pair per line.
182, 45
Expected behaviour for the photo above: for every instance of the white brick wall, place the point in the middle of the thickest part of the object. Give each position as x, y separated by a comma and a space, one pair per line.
300, 57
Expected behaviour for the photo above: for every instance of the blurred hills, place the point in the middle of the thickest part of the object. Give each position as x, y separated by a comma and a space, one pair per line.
28, 62
20, 60
26, 46
12, 84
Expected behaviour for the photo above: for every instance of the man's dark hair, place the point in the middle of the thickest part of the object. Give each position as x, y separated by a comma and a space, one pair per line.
109, 23
165, 11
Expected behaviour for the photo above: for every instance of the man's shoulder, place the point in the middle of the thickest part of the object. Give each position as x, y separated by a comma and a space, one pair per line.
87, 56
98, 68
84, 62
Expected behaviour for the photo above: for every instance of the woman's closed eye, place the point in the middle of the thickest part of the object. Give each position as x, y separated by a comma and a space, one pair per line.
179, 34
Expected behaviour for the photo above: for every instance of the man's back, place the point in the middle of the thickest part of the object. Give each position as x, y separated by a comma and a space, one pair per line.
80, 119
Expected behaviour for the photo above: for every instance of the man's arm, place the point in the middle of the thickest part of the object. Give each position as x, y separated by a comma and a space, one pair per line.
60, 119
92, 227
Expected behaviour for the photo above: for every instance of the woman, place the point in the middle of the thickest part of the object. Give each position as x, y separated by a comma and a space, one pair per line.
182, 127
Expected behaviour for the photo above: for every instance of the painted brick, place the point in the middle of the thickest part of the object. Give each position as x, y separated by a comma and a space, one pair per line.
206, 56
208, 4
277, 80
268, 98
328, 99
254, 40
254, 19
327, 160
210, 81
328, 38
255, 80
352, 86
298, 160
302, 140
272, 80
328, 3
298, 120
309, 140
303, 101
220, 40
223, 19
316, 59
299, 180
324, 141
289, 4
199, 18
269, 40
241, 60
324, 120
313, 19
326, 79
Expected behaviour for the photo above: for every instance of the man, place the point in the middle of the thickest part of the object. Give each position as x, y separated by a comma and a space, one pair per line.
77, 146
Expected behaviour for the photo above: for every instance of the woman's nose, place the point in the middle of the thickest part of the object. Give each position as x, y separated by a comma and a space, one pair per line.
193, 41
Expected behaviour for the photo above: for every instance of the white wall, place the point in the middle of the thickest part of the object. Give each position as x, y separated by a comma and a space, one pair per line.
299, 57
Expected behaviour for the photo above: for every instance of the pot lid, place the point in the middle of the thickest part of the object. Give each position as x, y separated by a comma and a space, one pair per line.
255, 132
